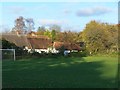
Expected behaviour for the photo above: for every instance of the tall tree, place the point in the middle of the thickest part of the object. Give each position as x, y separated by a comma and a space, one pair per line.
30, 24
101, 37
112, 31
20, 25
53, 33
95, 37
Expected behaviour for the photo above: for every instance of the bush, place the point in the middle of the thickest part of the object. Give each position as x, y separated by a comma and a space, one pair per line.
79, 54
42, 55
61, 50
7, 55
112, 54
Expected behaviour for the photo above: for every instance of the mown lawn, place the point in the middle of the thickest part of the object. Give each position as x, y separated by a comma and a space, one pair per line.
61, 72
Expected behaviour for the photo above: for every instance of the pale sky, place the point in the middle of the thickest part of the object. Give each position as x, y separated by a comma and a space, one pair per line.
69, 15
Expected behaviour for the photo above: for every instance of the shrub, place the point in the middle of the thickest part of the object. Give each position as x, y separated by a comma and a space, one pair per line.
7, 55
61, 50
79, 54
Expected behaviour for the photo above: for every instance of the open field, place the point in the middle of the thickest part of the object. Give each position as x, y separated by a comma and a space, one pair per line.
61, 72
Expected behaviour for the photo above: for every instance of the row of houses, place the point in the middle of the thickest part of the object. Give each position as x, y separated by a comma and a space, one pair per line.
39, 43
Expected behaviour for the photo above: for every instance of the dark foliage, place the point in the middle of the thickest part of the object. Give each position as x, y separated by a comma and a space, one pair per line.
19, 51
79, 54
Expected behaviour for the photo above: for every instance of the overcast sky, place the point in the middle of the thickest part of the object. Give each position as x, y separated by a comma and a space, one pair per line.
69, 15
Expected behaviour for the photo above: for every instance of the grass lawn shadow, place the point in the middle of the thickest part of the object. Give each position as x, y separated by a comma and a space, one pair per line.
64, 72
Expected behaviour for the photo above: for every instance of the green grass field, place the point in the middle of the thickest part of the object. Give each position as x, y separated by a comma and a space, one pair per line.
61, 72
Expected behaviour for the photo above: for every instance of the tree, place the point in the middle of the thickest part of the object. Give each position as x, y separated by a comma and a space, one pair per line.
112, 31
20, 25
48, 33
95, 37
53, 33
8, 45
59, 37
57, 28
41, 30
67, 36
100, 37
72, 36
30, 24
23, 26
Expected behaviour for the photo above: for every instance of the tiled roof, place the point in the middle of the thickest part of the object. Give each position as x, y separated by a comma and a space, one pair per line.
39, 42
68, 46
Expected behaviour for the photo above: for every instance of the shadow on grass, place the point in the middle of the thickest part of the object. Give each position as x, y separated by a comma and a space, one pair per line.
63, 72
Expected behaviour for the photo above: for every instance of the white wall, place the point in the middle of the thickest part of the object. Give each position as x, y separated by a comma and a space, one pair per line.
48, 50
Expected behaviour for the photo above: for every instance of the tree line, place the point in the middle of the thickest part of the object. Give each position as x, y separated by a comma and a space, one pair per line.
98, 37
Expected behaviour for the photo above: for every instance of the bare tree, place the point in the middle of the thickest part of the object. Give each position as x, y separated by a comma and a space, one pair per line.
30, 24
